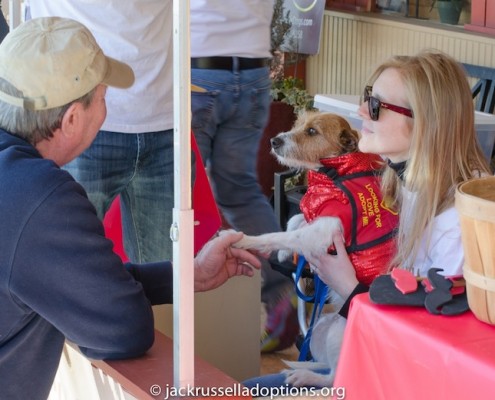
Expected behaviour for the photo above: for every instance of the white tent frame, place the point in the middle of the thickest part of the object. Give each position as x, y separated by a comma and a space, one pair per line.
183, 215
14, 9
183, 223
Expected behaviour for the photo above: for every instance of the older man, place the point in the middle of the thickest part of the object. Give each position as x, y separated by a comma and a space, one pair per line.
59, 278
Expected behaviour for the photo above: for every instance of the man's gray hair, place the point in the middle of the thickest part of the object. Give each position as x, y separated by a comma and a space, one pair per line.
33, 126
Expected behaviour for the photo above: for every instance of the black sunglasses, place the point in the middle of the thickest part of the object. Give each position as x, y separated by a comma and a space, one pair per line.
374, 105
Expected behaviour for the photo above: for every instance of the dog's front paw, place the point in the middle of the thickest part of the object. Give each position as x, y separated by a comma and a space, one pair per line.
297, 377
223, 232
256, 243
247, 242
306, 377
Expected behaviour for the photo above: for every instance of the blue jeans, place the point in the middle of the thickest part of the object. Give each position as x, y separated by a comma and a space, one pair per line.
228, 122
139, 168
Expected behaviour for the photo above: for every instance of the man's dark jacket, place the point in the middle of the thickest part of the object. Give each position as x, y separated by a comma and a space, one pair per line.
59, 278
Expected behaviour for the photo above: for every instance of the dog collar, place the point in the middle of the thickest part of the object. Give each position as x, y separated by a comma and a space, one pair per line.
399, 168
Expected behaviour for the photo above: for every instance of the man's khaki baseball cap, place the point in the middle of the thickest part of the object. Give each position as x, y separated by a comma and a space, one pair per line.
54, 61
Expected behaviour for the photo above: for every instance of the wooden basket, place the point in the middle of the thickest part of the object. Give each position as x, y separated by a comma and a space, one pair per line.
475, 203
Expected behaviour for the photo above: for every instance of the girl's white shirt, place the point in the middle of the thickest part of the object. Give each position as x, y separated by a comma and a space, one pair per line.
443, 248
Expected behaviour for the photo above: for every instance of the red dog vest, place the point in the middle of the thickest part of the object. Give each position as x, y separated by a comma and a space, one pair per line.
348, 187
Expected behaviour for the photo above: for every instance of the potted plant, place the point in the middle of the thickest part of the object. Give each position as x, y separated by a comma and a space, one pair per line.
291, 91
449, 11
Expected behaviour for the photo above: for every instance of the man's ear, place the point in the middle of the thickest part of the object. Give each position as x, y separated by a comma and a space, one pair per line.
71, 119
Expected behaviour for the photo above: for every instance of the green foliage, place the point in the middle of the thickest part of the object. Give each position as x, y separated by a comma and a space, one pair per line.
291, 90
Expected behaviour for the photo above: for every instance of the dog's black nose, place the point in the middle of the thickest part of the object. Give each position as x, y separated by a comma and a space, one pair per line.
276, 142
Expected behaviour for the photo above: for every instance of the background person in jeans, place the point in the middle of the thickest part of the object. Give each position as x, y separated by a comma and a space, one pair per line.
132, 156
230, 50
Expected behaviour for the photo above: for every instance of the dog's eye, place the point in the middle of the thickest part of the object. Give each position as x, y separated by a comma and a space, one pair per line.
312, 131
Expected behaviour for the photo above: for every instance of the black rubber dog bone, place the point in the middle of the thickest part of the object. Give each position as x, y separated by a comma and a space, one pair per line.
440, 300
383, 290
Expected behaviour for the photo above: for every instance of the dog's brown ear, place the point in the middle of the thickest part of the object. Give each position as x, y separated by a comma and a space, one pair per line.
349, 139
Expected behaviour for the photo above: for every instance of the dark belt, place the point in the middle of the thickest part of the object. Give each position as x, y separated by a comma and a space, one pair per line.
230, 63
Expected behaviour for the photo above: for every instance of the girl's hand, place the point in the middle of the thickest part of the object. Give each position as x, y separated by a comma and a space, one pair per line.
337, 270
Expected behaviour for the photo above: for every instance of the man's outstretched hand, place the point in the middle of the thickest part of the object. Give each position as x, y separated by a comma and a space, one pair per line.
217, 262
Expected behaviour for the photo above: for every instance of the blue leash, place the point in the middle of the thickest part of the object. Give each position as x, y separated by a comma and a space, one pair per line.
319, 298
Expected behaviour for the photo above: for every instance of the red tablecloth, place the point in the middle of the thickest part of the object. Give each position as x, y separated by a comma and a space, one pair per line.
405, 353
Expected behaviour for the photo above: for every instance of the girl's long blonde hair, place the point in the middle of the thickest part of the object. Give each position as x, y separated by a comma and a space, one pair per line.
444, 147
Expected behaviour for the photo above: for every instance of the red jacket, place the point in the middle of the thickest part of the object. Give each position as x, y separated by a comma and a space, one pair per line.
348, 187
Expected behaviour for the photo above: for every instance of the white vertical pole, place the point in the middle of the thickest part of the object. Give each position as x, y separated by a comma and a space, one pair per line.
182, 230
14, 13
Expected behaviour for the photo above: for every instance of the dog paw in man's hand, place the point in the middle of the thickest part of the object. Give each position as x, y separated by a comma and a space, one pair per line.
311, 239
